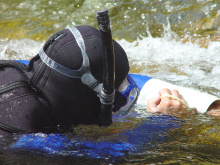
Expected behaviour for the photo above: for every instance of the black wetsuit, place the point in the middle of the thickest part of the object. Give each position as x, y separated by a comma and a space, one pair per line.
20, 108
36, 98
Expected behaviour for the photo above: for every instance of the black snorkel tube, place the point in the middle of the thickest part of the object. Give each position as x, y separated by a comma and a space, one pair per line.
107, 94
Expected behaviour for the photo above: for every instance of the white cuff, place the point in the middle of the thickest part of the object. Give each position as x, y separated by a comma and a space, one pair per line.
201, 101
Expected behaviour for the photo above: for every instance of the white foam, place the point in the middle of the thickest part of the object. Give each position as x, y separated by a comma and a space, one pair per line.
23, 49
174, 60
166, 58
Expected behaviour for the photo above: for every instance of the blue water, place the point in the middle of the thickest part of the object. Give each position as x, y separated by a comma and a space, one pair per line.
111, 146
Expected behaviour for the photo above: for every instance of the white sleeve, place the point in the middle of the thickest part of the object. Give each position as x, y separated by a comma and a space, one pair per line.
200, 100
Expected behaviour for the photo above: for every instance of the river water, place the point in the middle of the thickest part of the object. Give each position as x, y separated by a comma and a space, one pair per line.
172, 40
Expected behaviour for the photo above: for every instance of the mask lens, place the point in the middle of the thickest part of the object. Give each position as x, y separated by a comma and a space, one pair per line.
127, 98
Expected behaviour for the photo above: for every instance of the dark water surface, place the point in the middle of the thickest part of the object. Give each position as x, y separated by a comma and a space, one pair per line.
173, 40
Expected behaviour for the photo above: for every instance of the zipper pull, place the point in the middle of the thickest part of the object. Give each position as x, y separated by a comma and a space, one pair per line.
52, 40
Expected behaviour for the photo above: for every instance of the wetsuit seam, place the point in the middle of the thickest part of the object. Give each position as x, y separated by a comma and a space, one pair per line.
2, 102
4, 89
64, 34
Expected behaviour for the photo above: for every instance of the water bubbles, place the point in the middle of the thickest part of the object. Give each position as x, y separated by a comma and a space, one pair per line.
201, 1
4, 6
216, 70
213, 6
21, 6
61, 12
189, 157
50, 2
146, 1
143, 16
42, 135
57, 26
168, 58
97, 7
19, 49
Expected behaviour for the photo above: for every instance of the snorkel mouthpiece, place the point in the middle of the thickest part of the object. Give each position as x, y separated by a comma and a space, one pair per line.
107, 94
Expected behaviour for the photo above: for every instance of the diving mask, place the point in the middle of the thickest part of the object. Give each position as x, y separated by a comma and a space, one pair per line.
126, 96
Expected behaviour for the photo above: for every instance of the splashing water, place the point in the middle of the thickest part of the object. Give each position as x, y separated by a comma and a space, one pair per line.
168, 58
23, 49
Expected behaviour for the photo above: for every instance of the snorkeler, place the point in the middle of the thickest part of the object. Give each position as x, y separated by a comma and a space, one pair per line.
50, 92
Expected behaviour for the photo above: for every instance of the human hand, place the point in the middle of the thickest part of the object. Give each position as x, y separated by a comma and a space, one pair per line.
214, 109
169, 102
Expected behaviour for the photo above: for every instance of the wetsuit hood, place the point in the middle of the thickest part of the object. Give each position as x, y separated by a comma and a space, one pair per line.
69, 99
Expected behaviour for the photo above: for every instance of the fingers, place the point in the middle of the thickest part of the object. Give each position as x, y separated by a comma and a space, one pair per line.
171, 98
168, 102
177, 94
215, 113
165, 101
152, 104
176, 103
214, 109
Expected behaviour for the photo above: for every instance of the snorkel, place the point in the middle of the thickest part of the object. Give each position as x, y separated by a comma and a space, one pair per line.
74, 41
107, 94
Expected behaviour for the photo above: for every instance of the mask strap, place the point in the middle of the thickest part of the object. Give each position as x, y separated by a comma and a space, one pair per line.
83, 73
